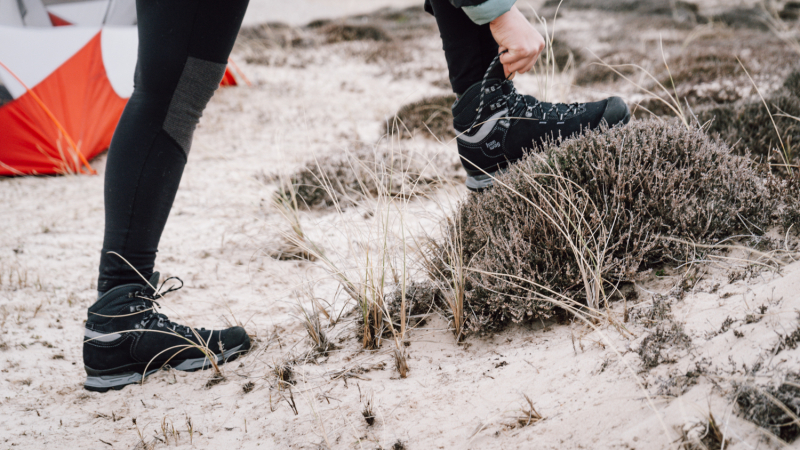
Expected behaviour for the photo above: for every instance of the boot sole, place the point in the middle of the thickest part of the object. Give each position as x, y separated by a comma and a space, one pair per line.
477, 183
104, 383
483, 181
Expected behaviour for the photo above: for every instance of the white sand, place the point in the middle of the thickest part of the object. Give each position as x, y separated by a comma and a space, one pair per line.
589, 385
300, 12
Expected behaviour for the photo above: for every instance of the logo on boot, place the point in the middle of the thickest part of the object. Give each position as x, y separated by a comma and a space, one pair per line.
493, 145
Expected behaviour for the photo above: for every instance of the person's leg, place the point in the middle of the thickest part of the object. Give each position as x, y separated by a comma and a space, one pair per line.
469, 48
495, 124
183, 50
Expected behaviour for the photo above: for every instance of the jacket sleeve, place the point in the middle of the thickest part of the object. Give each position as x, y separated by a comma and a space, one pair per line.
483, 11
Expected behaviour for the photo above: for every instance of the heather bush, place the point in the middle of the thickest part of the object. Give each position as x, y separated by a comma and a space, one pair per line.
431, 115
792, 83
748, 127
364, 171
617, 201
767, 407
345, 32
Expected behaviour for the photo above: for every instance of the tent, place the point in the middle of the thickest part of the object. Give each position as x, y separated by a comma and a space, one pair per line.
67, 98
50, 13
63, 88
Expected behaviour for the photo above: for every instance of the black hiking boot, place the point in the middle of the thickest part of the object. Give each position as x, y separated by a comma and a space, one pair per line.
126, 339
495, 124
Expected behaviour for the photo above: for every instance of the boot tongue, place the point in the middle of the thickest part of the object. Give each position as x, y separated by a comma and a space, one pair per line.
471, 98
507, 87
152, 285
123, 295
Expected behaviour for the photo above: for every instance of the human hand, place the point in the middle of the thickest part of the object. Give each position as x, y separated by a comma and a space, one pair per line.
516, 35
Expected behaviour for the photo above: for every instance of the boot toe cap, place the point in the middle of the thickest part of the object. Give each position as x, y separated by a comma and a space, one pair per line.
616, 112
236, 336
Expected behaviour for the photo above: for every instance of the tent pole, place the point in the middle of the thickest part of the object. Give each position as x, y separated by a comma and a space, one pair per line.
53, 118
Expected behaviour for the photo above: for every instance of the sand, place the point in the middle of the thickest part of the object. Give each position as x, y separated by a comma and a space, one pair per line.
589, 385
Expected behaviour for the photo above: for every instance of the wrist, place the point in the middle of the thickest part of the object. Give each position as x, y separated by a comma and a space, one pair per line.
488, 11
505, 17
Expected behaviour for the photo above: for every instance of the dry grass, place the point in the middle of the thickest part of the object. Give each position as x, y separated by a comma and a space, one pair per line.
362, 172
750, 126
577, 219
594, 73
705, 435
376, 265
527, 414
369, 410
344, 32
275, 35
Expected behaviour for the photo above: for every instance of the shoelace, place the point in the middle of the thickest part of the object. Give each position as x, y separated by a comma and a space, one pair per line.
530, 111
152, 312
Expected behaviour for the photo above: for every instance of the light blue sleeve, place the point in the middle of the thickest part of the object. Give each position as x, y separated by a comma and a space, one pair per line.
488, 11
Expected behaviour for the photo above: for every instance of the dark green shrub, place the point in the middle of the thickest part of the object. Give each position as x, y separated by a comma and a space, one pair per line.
621, 194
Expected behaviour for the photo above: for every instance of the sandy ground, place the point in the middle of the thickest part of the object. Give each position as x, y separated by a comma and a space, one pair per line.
300, 12
589, 385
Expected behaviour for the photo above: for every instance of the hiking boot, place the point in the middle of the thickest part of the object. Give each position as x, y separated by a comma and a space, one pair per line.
495, 124
126, 339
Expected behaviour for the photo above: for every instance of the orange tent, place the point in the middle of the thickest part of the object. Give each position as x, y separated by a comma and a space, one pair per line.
62, 89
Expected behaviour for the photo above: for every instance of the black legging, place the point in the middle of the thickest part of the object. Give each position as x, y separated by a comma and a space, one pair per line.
183, 48
468, 48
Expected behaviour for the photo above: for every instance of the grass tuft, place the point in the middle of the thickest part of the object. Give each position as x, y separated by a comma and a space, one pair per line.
369, 411
349, 177
527, 414
749, 127
431, 116
344, 32
248, 387
284, 374
774, 409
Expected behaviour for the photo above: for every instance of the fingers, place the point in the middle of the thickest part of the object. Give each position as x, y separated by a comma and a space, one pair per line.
518, 62
523, 65
521, 59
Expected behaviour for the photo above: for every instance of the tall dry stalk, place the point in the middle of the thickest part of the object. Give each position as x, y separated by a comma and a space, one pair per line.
672, 100
546, 68
376, 262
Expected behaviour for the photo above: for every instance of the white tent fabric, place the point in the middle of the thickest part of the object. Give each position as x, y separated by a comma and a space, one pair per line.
9, 13
55, 46
81, 13
34, 13
120, 46
121, 13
